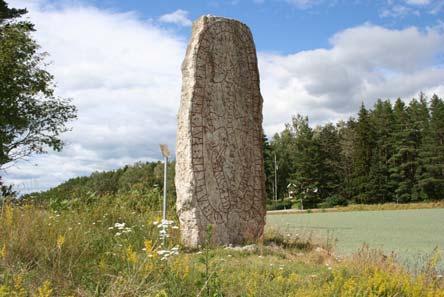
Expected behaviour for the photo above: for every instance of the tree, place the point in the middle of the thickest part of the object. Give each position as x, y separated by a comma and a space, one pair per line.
362, 156
32, 118
282, 146
431, 173
307, 163
380, 185
409, 123
5, 191
330, 169
268, 167
347, 140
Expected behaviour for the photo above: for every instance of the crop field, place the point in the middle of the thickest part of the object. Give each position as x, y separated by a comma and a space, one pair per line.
411, 234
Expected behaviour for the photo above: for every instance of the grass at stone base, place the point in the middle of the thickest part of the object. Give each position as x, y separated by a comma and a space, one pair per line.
80, 252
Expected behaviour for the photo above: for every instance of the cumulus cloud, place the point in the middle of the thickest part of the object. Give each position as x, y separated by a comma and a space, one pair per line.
178, 17
123, 74
364, 63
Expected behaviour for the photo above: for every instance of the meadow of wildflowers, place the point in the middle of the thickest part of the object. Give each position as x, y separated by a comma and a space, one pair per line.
114, 247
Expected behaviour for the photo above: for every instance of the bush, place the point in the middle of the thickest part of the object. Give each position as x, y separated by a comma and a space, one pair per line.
332, 201
296, 205
279, 205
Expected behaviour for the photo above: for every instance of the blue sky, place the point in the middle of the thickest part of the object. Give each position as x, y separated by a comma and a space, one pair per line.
287, 26
120, 63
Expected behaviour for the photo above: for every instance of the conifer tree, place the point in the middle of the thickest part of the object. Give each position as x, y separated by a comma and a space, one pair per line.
380, 186
330, 169
362, 156
431, 176
307, 163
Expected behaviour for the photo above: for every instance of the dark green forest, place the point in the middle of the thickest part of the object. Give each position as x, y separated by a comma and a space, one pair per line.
391, 153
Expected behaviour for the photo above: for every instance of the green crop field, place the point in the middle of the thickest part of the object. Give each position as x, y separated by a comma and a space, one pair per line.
411, 234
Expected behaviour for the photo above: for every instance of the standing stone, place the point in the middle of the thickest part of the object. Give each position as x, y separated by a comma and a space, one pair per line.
219, 164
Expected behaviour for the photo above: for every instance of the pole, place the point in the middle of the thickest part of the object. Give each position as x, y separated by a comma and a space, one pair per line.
164, 188
275, 179
165, 153
164, 200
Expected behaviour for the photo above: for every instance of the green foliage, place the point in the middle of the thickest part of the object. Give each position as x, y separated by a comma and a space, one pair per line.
279, 205
143, 182
31, 116
393, 153
6, 191
334, 200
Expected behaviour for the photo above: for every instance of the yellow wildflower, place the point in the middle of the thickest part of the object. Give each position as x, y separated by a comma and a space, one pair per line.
131, 255
148, 246
3, 252
45, 289
60, 241
19, 291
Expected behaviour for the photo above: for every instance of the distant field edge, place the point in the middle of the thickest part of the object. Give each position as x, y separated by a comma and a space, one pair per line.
363, 207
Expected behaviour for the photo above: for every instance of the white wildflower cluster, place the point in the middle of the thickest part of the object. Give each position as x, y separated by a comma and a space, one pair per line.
122, 229
168, 252
163, 227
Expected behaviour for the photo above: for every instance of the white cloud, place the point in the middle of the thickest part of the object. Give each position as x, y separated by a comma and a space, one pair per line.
178, 17
363, 63
303, 3
418, 2
124, 76
397, 11
403, 8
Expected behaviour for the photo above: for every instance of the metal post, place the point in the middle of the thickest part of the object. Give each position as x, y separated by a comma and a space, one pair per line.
275, 179
165, 153
164, 188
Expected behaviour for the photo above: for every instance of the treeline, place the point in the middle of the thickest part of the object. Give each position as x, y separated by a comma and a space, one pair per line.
391, 153
144, 180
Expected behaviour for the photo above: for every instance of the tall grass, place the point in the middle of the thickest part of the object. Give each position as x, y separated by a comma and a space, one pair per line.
81, 251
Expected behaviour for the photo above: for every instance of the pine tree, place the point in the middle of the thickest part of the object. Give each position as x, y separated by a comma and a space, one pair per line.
347, 140
362, 156
307, 162
380, 186
407, 138
330, 171
431, 175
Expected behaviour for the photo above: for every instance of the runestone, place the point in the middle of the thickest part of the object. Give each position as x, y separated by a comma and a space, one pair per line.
220, 177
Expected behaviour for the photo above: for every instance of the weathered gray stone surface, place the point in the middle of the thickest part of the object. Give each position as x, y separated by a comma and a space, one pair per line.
219, 164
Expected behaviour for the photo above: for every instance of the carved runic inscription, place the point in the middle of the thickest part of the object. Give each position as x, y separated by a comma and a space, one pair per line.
220, 121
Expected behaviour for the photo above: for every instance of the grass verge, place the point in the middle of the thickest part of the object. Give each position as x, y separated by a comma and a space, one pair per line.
111, 248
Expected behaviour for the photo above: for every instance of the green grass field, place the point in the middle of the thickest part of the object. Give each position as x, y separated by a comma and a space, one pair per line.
110, 247
411, 234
